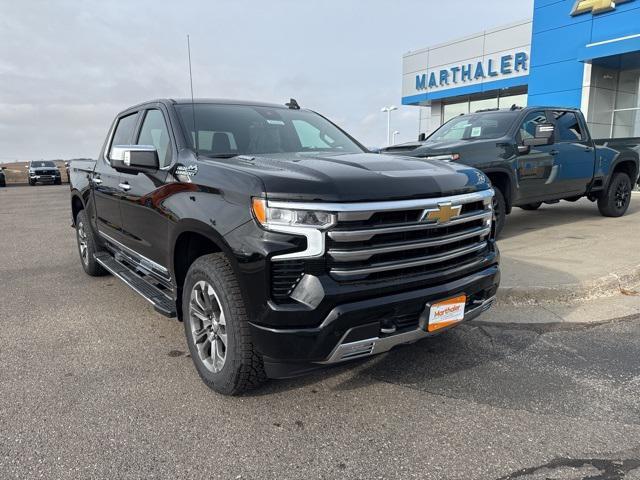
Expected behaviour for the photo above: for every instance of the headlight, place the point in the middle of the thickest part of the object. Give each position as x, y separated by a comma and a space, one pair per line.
273, 218
451, 157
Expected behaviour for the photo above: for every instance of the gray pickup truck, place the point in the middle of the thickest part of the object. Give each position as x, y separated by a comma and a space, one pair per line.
536, 155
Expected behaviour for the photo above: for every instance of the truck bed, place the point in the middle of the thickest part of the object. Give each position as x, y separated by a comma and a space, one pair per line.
632, 143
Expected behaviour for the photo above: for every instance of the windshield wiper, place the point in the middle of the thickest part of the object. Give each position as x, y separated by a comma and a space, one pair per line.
222, 155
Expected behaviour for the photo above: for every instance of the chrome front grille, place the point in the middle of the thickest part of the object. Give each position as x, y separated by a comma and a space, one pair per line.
397, 238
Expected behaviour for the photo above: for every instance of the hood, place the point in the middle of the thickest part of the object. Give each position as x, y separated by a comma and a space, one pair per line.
357, 177
440, 147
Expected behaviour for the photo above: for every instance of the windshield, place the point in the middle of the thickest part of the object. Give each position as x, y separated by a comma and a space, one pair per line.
43, 164
477, 126
229, 130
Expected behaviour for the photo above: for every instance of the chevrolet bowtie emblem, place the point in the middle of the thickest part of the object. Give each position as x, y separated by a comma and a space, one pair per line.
445, 213
595, 6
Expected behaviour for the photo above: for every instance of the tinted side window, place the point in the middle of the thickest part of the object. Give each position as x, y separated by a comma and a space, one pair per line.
154, 132
531, 121
124, 131
568, 127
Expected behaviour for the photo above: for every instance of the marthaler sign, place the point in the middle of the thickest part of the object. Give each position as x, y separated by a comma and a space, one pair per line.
503, 65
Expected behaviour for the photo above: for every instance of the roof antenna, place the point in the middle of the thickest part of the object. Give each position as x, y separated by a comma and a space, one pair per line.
293, 105
193, 107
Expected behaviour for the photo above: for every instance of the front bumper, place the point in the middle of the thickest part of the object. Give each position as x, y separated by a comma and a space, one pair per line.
44, 178
347, 350
357, 329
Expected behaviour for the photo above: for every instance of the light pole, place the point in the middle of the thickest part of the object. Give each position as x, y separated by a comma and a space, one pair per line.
394, 135
388, 111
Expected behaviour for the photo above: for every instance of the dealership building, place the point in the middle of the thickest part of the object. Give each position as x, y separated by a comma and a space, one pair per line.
583, 54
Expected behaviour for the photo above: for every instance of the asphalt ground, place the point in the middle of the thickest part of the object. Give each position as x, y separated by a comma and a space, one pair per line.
95, 384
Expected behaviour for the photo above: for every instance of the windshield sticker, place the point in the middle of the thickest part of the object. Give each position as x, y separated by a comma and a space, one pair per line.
275, 122
476, 131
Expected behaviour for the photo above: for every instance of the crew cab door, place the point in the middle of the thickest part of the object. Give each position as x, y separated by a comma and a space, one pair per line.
145, 220
105, 180
536, 167
575, 154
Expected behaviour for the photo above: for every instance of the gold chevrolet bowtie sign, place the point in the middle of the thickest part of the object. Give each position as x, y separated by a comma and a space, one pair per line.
595, 6
445, 213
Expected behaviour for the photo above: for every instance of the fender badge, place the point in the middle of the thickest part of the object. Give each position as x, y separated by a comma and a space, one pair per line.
190, 171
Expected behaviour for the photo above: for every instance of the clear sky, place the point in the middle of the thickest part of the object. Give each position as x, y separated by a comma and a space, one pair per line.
67, 67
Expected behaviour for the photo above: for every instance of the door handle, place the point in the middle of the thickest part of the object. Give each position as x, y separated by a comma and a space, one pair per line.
554, 152
125, 186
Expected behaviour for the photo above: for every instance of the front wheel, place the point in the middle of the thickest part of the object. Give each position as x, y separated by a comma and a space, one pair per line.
87, 247
531, 206
614, 202
499, 210
217, 328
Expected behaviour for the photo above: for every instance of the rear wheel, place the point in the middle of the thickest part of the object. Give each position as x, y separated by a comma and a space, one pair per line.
615, 201
217, 328
500, 210
531, 206
87, 247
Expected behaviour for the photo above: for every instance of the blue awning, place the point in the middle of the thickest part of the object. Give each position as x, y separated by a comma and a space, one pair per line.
609, 48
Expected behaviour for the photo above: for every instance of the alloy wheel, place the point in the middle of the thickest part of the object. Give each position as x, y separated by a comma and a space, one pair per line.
208, 326
83, 244
622, 194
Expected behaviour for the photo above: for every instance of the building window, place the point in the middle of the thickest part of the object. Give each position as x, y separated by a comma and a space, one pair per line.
486, 104
452, 110
471, 105
511, 100
614, 98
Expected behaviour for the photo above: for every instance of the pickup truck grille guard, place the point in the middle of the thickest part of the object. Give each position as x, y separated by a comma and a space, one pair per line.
387, 239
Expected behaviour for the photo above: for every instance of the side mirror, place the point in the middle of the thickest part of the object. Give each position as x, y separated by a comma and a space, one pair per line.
544, 136
422, 137
134, 158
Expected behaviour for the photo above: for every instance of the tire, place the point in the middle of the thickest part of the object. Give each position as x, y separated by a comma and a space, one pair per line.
58, 181
85, 237
531, 206
32, 183
614, 202
500, 210
220, 314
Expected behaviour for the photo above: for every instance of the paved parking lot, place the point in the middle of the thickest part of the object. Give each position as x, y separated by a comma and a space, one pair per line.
95, 384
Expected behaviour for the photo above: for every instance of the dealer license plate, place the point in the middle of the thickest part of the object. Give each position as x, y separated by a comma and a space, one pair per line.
446, 313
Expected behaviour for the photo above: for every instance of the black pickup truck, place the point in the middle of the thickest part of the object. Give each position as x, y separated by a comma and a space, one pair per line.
536, 155
279, 241
44, 171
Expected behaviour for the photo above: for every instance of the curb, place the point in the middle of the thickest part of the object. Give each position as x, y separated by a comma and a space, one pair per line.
624, 282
